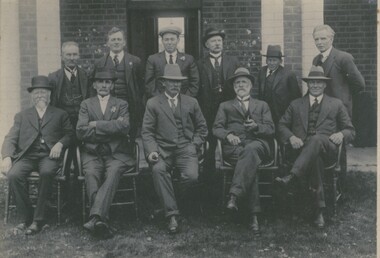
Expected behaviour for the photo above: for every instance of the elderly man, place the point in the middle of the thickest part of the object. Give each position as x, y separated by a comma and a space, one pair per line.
35, 143
155, 65
314, 125
103, 126
214, 70
244, 125
129, 74
173, 129
278, 86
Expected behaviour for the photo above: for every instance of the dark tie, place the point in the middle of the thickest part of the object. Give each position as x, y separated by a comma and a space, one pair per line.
270, 73
319, 60
72, 79
171, 59
315, 104
216, 64
172, 105
242, 104
116, 60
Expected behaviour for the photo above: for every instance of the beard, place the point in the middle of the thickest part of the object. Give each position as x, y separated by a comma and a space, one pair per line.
41, 104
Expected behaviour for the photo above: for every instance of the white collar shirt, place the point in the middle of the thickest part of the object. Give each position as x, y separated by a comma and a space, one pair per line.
244, 101
69, 72
312, 98
175, 98
103, 102
326, 54
41, 112
174, 57
120, 55
269, 71
219, 57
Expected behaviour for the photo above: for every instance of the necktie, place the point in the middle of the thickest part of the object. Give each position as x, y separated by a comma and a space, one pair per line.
172, 105
242, 105
319, 60
72, 79
116, 60
216, 63
315, 104
270, 73
171, 59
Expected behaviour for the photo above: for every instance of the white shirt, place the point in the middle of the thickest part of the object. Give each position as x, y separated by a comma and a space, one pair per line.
219, 57
312, 98
103, 102
175, 99
268, 70
41, 112
245, 101
69, 72
174, 57
326, 54
119, 55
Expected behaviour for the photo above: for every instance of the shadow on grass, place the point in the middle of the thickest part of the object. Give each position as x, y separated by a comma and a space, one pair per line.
351, 234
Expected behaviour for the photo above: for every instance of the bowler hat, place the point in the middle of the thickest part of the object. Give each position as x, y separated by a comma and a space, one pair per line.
316, 73
170, 29
241, 71
105, 75
172, 72
40, 81
211, 32
274, 51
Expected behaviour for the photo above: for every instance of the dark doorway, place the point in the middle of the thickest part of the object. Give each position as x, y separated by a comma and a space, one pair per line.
144, 24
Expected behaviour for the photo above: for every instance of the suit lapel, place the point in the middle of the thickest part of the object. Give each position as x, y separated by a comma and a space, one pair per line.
33, 117
83, 82
47, 116
128, 66
209, 67
61, 76
166, 108
325, 110
96, 107
162, 61
180, 60
277, 77
264, 76
224, 66
236, 105
304, 111
327, 65
184, 105
108, 112
251, 106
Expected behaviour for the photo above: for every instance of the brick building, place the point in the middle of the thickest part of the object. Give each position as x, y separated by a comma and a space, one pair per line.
32, 32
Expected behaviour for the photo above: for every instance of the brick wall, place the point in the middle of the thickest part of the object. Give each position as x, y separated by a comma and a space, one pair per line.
28, 47
354, 22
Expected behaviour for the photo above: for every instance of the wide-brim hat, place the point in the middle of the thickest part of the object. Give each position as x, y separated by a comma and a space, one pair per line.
172, 72
170, 29
241, 71
211, 32
316, 73
274, 51
39, 82
105, 75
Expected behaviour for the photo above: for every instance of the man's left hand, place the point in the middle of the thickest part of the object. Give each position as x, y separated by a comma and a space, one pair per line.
250, 124
336, 138
55, 152
92, 124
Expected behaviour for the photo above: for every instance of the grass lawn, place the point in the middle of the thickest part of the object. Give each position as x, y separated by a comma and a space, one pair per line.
351, 234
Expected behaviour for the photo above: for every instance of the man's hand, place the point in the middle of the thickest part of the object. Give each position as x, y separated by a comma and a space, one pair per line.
250, 124
92, 124
55, 152
6, 165
336, 138
295, 142
232, 139
153, 157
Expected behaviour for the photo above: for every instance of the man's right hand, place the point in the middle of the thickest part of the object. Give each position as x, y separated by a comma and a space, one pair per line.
233, 140
6, 165
296, 142
153, 157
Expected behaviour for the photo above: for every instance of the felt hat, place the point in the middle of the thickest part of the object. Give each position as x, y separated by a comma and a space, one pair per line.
274, 51
211, 32
172, 72
241, 71
105, 75
170, 29
39, 82
316, 73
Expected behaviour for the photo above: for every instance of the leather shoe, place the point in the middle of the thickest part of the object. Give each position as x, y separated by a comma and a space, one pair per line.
173, 225
319, 222
285, 180
102, 230
34, 228
255, 226
90, 225
231, 205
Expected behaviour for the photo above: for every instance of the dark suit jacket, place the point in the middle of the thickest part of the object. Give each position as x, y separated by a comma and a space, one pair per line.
230, 119
332, 118
56, 79
112, 128
345, 77
285, 90
159, 126
209, 104
56, 127
134, 80
155, 67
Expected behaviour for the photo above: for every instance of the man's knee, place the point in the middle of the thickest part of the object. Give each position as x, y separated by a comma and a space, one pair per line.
14, 176
159, 169
253, 149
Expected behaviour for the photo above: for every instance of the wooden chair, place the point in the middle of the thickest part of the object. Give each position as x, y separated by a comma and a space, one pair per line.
126, 194
32, 180
266, 173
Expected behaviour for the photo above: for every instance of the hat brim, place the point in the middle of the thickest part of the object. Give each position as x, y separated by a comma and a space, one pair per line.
39, 87
98, 78
174, 78
306, 79
273, 56
232, 78
205, 38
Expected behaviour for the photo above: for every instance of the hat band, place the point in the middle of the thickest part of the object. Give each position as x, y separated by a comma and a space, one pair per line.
316, 74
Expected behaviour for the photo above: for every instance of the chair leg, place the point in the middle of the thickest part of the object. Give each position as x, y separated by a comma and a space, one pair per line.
224, 188
135, 196
7, 202
335, 179
59, 203
83, 202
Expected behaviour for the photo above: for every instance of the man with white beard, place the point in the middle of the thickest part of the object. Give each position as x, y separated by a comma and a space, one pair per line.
35, 143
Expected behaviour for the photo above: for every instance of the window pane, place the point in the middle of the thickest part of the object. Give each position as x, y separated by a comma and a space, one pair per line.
172, 21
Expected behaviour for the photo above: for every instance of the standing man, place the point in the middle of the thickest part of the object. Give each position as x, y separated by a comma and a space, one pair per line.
173, 130
244, 125
35, 143
129, 76
278, 86
103, 126
155, 65
314, 125
214, 70
346, 79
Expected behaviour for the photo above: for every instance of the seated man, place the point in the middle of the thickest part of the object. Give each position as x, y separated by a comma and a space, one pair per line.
35, 143
314, 125
103, 126
173, 129
244, 125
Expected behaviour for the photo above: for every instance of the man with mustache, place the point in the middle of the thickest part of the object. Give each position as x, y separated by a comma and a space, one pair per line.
35, 143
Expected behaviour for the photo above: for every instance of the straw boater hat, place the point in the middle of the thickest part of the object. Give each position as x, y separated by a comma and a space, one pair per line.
211, 32
105, 75
39, 82
170, 29
172, 72
274, 51
241, 71
316, 73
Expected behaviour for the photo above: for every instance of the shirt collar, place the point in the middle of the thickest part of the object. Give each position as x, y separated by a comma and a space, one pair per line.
175, 97
327, 52
319, 98
104, 99
119, 55
268, 70
243, 99
174, 54
216, 56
